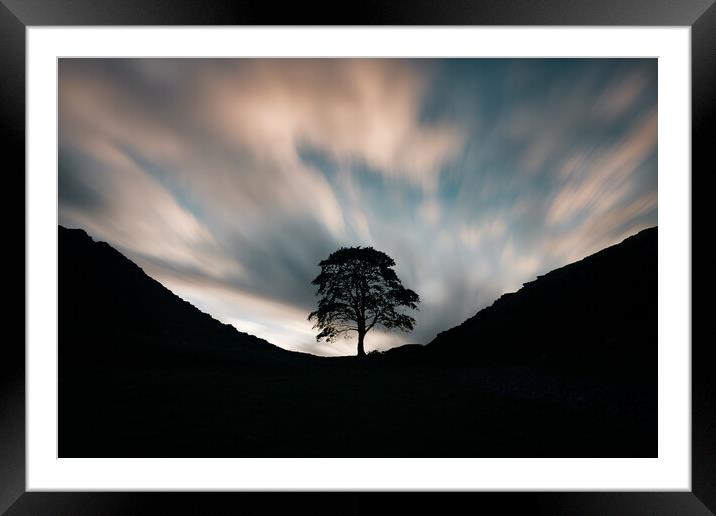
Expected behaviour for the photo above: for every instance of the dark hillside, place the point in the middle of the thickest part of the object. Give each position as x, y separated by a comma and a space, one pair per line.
563, 368
596, 315
110, 310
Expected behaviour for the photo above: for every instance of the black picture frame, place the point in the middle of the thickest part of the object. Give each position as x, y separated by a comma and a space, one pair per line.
17, 15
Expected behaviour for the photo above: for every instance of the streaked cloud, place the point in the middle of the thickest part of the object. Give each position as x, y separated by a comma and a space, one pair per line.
229, 180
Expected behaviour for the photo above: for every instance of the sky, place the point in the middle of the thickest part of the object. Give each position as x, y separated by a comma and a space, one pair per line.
229, 180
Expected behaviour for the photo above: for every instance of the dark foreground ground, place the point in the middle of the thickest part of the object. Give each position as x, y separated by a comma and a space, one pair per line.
345, 408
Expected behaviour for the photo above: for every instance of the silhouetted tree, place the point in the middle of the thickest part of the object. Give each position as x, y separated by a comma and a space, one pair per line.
358, 291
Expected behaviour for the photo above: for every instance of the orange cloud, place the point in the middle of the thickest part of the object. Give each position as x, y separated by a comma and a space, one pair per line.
599, 182
365, 111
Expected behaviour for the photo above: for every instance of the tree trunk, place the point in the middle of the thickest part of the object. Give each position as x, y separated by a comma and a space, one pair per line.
361, 349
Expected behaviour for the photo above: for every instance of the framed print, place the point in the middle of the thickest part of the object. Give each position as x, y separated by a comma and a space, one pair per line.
435, 250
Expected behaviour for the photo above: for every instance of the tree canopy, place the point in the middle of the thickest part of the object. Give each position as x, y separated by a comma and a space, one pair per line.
359, 290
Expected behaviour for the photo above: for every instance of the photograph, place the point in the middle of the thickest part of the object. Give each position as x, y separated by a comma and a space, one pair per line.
357, 257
